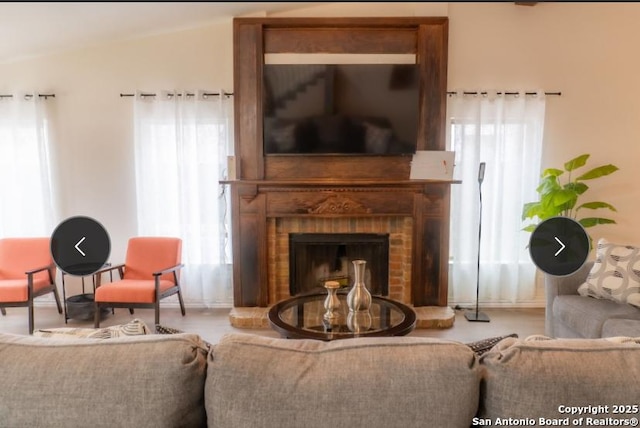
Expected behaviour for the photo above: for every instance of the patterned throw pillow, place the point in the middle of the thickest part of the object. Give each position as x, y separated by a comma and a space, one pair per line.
135, 327
615, 274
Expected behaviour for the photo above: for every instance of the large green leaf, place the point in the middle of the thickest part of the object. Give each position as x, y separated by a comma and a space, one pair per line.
546, 200
579, 188
576, 162
596, 205
530, 210
548, 185
530, 228
552, 172
594, 221
563, 196
598, 172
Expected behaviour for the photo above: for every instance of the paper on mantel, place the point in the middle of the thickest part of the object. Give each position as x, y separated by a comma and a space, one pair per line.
432, 165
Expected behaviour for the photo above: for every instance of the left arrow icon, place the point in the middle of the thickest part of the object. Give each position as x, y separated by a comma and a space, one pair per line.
77, 248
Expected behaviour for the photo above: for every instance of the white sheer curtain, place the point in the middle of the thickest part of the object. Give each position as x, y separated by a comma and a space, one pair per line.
505, 132
181, 146
26, 190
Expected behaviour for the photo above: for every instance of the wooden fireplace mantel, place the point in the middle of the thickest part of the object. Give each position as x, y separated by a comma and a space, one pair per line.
268, 186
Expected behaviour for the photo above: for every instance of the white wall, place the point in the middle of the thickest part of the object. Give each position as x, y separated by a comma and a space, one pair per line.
586, 50
94, 124
94, 133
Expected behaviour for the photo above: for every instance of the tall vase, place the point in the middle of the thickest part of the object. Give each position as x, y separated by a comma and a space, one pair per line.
359, 298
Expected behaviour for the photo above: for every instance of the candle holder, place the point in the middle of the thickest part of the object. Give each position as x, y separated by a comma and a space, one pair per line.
331, 302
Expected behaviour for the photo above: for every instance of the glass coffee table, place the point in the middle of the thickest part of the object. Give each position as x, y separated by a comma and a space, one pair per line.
302, 317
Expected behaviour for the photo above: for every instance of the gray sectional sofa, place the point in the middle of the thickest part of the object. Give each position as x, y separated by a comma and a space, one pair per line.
254, 381
570, 315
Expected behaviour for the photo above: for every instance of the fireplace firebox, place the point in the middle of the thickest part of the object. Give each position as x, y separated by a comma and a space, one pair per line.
318, 257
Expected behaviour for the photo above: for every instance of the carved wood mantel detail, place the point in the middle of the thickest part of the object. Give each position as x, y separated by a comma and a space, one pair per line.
271, 187
336, 204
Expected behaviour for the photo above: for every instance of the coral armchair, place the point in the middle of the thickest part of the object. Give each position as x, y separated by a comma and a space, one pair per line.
26, 272
149, 274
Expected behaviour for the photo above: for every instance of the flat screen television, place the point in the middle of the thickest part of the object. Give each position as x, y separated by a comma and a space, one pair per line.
359, 109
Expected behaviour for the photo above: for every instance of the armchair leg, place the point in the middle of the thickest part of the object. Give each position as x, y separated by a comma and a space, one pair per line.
3, 311
96, 315
131, 311
157, 320
181, 303
57, 297
31, 316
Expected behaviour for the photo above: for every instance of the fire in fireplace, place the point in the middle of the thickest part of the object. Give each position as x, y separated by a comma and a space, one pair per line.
318, 257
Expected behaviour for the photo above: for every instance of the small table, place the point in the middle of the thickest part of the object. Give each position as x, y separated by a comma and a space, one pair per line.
302, 317
64, 290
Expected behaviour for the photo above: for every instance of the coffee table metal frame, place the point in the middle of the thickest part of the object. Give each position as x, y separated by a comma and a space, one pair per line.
290, 331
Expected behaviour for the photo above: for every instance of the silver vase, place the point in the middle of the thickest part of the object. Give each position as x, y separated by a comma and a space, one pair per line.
359, 298
359, 321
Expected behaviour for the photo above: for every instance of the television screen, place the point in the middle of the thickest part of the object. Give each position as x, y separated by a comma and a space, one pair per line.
341, 108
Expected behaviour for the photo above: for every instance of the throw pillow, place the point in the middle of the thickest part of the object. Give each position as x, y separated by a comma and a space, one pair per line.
135, 327
161, 329
615, 274
482, 346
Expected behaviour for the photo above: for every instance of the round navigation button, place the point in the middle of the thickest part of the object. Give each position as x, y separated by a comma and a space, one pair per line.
80, 246
559, 246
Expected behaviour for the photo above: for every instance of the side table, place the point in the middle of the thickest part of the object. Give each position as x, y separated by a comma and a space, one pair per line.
64, 291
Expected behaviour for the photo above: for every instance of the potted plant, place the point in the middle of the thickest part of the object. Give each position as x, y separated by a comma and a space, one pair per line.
560, 197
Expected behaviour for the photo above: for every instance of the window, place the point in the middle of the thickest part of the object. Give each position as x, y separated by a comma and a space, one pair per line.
181, 146
506, 133
27, 206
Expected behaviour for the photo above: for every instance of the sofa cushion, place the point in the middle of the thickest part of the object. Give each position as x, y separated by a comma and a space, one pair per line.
586, 316
621, 327
532, 379
255, 381
615, 274
135, 381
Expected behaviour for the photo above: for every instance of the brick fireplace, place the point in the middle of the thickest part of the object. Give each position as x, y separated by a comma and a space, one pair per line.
274, 196
397, 281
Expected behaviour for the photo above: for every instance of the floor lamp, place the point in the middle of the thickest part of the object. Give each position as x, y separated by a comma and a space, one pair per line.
471, 315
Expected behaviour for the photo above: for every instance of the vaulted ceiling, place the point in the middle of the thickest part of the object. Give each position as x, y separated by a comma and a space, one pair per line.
30, 29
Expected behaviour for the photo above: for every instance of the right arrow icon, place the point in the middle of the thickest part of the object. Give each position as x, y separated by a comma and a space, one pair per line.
561, 248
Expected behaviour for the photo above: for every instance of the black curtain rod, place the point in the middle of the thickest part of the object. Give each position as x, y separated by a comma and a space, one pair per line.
207, 94
501, 93
45, 96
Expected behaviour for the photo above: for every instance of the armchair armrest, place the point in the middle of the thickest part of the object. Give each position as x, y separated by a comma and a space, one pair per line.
561, 285
40, 269
98, 274
108, 268
168, 270
32, 272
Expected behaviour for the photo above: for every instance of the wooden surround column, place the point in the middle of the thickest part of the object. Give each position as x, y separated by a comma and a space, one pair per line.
332, 185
